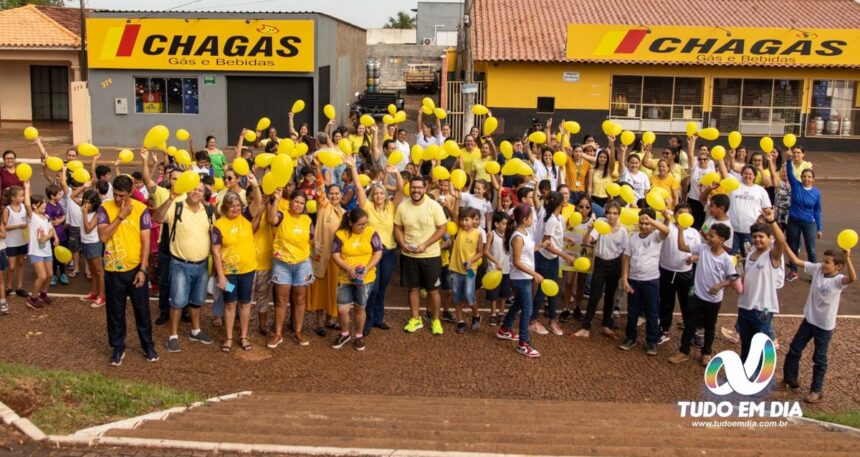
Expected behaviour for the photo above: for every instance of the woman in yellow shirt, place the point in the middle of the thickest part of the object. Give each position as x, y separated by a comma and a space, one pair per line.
380, 216
599, 177
356, 250
577, 172
469, 154
292, 272
663, 178
235, 261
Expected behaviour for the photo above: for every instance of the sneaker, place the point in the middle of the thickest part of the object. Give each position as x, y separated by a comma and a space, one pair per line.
301, 340
494, 320
4, 308
98, 303
461, 327
505, 334
651, 349
116, 358
664, 337
21, 293
813, 397
436, 327
53, 281
340, 341
582, 333
565, 316
698, 341
640, 321
476, 322
791, 276
151, 355
555, 329
64, 279
90, 297
173, 345
275, 342
528, 351
706, 359
200, 337
44, 297
538, 328
730, 335
34, 303
413, 325
786, 385
679, 357
320, 331
448, 317
382, 326
616, 311
627, 345
359, 344
162, 319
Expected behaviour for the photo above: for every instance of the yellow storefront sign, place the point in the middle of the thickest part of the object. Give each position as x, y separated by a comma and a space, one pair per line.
201, 44
713, 45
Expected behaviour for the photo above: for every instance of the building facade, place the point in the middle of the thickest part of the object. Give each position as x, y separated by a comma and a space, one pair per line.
437, 22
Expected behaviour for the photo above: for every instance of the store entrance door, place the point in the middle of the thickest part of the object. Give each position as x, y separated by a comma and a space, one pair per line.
251, 97
49, 93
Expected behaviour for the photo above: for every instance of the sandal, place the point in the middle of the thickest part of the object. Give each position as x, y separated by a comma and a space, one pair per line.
228, 345
246, 343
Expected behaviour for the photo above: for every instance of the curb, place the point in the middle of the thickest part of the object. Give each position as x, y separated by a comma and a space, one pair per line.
830, 426
21, 424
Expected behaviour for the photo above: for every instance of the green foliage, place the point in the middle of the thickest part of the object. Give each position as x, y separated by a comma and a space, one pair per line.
402, 21
850, 418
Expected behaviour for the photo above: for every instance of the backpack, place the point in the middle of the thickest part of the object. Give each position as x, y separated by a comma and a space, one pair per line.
168, 232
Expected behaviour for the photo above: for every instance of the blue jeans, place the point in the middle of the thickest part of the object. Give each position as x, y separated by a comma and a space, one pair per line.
376, 301
738, 241
463, 288
522, 302
187, 283
791, 367
548, 268
794, 231
750, 322
645, 300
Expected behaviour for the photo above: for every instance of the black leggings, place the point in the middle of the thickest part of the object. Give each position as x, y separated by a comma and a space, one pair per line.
674, 284
604, 279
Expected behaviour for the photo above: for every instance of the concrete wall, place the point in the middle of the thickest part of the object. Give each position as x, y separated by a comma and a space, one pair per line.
351, 47
15, 103
430, 14
391, 36
395, 58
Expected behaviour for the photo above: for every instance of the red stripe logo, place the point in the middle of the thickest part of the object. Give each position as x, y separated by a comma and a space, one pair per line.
631, 41
129, 37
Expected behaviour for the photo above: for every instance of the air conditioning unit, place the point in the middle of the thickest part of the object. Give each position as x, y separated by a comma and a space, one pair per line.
428, 41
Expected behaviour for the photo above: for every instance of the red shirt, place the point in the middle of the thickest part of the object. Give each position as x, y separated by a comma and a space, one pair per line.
8, 179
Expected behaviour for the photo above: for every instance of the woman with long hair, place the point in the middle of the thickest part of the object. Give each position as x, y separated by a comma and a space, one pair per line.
804, 214
598, 178
547, 262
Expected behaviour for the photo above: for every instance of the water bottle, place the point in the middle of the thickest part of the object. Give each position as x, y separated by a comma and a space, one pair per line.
359, 281
470, 273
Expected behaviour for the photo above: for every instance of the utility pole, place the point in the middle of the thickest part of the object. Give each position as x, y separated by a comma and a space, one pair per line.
469, 67
83, 56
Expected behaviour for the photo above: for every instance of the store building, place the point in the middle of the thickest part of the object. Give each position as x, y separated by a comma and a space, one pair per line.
762, 67
216, 73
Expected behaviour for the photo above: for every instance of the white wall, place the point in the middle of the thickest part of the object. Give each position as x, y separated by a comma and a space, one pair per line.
391, 36
15, 101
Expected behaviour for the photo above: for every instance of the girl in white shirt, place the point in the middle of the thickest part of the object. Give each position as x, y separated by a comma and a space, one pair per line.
40, 253
93, 248
16, 221
630, 173
547, 262
498, 260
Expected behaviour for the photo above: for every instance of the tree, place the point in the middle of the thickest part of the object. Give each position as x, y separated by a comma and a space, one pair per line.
402, 21
9, 4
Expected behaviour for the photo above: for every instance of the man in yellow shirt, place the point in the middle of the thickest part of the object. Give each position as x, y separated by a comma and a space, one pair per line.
123, 226
190, 245
419, 224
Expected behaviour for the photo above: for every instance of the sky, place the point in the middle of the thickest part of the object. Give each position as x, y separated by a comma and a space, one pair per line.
364, 13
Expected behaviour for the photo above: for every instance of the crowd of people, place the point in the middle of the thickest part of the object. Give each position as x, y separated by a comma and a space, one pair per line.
326, 243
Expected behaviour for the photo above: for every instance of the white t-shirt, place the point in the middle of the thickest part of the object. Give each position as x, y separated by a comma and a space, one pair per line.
640, 182
21, 236
73, 212
746, 205
610, 246
698, 172
36, 248
644, 256
710, 270
822, 303
672, 258
404, 148
90, 237
706, 227
554, 229
527, 256
760, 279
497, 250
483, 206
536, 229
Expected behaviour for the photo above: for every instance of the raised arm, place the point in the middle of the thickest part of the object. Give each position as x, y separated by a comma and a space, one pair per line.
852, 274
292, 125
147, 172
398, 193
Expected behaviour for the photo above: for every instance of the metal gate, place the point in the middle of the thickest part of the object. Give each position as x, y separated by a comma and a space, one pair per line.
456, 105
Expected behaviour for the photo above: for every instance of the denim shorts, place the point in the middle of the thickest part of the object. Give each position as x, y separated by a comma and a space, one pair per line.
243, 288
292, 274
34, 259
463, 288
187, 283
93, 250
4, 261
348, 294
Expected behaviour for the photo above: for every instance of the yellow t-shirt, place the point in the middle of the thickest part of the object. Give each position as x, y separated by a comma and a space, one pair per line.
446, 257
238, 256
419, 222
576, 175
669, 182
480, 166
356, 249
465, 247
382, 222
356, 141
161, 195
798, 169
599, 184
263, 239
192, 240
292, 239
759, 176
469, 158
678, 171
123, 249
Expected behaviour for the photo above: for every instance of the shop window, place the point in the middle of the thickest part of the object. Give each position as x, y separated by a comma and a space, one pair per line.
546, 105
835, 108
757, 106
166, 95
656, 103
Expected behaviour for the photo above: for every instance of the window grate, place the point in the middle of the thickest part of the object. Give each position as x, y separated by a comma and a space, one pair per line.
757, 106
660, 104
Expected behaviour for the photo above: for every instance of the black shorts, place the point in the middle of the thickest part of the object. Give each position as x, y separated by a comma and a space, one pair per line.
74, 239
17, 251
501, 292
421, 273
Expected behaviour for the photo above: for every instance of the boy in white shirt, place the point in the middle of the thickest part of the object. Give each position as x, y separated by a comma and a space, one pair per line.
819, 318
640, 278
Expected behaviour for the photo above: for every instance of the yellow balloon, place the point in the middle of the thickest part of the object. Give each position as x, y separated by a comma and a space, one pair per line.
613, 189
298, 106
263, 123
458, 179
87, 150
685, 220
507, 149
451, 228
416, 154
602, 227
440, 113
662, 192
766, 144
267, 184
171, 150
440, 173
395, 158
300, 149
735, 139
493, 167
330, 158
162, 146
155, 136
789, 140
182, 157
572, 127
427, 101
81, 175
649, 137
451, 147
616, 129
73, 164
366, 120
608, 127
479, 110
559, 158
311, 206
363, 180
282, 168
628, 195
627, 137
345, 146
388, 119
24, 171
406, 189
524, 169
549, 287
709, 134
730, 184
431, 153
426, 110
250, 136
710, 178
400, 117
240, 166
392, 109
582, 264
847, 239
264, 159
491, 280
691, 128
126, 156
63, 254
329, 112
54, 163
511, 167
629, 216
574, 219
656, 201
186, 182
490, 125
31, 133
718, 152
182, 135
538, 137
218, 185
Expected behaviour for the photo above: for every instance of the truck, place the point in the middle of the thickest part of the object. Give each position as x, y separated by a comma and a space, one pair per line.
421, 77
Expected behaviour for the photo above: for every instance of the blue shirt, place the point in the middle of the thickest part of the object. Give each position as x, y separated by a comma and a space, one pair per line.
805, 203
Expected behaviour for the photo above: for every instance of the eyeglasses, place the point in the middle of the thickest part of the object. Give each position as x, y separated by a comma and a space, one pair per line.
229, 178
703, 159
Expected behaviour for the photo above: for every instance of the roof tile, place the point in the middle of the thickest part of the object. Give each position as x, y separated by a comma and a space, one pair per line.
28, 27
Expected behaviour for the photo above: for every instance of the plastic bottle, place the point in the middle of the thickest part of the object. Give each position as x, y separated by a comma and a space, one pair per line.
470, 273
359, 281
